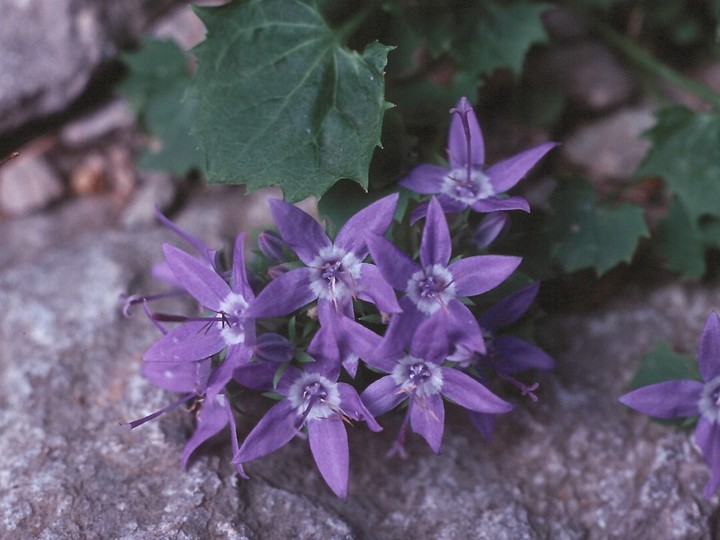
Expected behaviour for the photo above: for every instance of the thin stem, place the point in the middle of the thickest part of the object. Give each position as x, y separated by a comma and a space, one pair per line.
652, 65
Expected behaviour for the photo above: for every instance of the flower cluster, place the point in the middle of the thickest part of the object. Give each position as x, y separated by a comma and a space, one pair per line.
322, 309
687, 397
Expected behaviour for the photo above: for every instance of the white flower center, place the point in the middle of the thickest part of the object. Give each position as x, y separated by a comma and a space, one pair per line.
431, 288
709, 403
414, 375
334, 273
459, 186
314, 396
231, 318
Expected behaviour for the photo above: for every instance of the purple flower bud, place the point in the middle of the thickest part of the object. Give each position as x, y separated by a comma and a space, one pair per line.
274, 348
489, 229
271, 245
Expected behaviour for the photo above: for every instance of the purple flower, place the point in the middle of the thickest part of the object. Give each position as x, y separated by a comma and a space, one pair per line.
419, 378
467, 183
672, 399
227, 327
433, 288
312, 399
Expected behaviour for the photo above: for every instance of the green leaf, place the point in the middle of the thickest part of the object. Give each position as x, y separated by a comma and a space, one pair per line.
588, 235
686, 154
282, 102
664, 364
156, 88
680, 242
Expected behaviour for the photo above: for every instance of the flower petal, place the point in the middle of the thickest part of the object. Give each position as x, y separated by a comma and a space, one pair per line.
470, 394
300, 231
375, 218
382, 396
458, 137
476, 275
509, 309
435, 247
505, 174
353, 406
178, 377
430, 340
203, 249
669, 399
329, 446
518, 355
501, 204
188, 342
484, 423
274, 431
425, 179
427, 418
707, 437
463, 328
197, 278
372, 286
395, 266
256, 375
239, 281
709, 349
283, 295
211, 419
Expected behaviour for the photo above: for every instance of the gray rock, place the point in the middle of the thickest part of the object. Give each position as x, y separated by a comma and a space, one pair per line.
28, 183
52, 48
111, 116
575, 465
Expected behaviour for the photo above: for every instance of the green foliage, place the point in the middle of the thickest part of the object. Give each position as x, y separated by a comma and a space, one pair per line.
686, 154
283, 102
680, 242
586, 234
663, 364
156, 89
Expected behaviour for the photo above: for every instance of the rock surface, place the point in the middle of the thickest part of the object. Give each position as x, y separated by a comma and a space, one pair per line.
51, 50
575, 465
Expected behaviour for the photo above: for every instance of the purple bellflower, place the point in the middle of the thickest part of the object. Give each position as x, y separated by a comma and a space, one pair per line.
433, 288
334, 272
678, 398
228, 326
312, 399
419, 377
467, 183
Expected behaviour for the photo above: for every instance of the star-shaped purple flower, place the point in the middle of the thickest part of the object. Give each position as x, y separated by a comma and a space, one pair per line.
433, 288
466, 182
678, 398
419, 377
312, 399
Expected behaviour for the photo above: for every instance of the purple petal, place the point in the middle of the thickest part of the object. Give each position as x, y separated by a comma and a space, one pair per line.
191, 341
709, 349
371, 286
435, 247
484, 423
283, 295
203, 250
178, 377
382, 396
430, 340
375, 218
329, 446
425, 179
234, 438
509, 309
274, 431
324, 348
507, 173
669, 399
489, 229
360, 341
518, 355
271, 347
397, 337
395, 265
501, 204
427, 418
211, 419
353, 406
458, 137
476, 275
300, 231
463, 328
707, 437
256, 375
197, 278
449, 206
470, 394
237, 355
239, 281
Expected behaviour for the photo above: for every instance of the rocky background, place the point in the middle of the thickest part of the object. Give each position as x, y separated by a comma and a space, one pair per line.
76, 231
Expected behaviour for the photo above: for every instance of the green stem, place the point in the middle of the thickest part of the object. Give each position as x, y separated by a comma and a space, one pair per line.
652, 65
